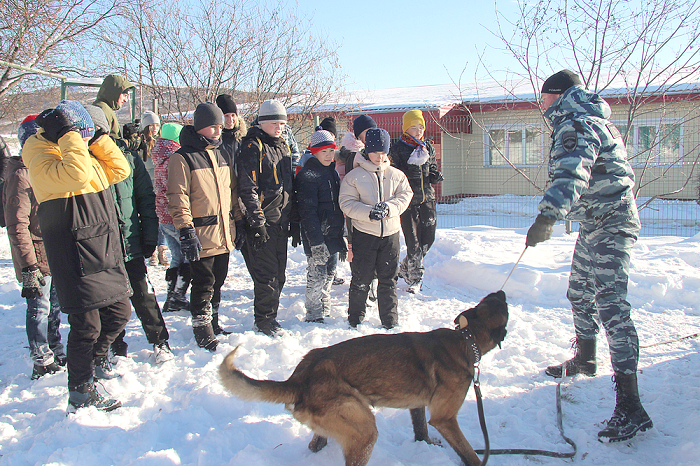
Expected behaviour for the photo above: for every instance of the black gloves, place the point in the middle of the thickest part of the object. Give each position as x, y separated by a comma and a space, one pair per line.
99, 132
55, 124
258, 237
32, 281
295, 233
240, 234
379, 211
435, 176
319, 254
189, 244
131, 130
148, 250
540, 231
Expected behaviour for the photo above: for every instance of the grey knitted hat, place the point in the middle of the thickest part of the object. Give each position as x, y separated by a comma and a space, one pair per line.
273, 111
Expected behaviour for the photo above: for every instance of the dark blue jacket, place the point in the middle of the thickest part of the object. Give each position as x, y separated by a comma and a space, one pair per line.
316, 195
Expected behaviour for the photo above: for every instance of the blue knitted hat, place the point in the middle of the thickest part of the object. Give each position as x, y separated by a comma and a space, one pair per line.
377, 140
77, 114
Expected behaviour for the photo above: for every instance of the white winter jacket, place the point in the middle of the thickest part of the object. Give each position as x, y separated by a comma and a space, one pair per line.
368, 184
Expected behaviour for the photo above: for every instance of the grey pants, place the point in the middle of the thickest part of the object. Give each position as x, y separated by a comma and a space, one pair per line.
319, 279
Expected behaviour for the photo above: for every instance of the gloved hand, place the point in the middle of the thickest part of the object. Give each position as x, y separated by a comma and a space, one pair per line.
319, 254
295, 233
99, 132
189, 244
258, 237
540, 231
379, 211
32, 281
148, 250
131, 130
435, 176
240, 234
55, 124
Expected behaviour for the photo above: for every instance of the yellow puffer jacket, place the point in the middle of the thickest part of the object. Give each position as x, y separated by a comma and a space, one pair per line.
78, 218
67, 169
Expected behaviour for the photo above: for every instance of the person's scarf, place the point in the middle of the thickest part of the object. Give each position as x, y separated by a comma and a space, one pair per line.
420, 153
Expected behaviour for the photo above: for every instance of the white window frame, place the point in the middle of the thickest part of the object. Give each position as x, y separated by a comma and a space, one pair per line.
633, 141
522, 159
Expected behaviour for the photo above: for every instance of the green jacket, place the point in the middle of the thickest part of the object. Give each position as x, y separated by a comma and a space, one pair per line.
136, 209
108, 95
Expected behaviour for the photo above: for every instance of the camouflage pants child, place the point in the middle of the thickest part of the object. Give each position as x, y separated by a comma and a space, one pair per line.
598, 287
319, 279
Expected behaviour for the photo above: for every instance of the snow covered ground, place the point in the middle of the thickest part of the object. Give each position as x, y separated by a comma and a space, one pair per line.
179, 414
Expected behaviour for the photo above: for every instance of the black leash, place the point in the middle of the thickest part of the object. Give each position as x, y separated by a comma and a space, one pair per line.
518, 451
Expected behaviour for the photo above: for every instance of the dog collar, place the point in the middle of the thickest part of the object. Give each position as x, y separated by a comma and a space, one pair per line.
469, 336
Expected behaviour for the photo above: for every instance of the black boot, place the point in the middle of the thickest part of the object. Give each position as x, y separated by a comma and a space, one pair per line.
178, 281
629, 416
215, 321
86, 395
583, 362
205, 338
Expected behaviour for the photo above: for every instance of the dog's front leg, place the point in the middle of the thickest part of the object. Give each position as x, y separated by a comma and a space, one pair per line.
449, 428
317, 443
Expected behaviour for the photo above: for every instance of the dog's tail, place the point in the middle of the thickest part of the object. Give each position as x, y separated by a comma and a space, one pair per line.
248, 389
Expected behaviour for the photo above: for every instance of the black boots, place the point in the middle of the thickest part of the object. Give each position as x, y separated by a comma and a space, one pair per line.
205, 338
629, 416
86, 395
178, 279
583, 361
215, 321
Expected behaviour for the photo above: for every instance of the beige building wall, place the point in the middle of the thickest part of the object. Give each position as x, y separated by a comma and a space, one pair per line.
663, 146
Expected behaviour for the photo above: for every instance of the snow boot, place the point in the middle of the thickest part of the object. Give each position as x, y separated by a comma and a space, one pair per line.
205, 338
178, 280
583, 362
215, 321
119, 347
40, 371
629, 416
162, 352
104, 369
86, 395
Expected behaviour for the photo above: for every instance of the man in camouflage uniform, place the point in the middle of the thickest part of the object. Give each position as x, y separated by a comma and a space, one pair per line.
591, 182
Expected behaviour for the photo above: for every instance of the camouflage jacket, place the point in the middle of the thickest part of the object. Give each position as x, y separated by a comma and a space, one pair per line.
590, 178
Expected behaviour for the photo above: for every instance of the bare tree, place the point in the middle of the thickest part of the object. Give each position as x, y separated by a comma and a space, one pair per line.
46, 34
186, 52
648, 49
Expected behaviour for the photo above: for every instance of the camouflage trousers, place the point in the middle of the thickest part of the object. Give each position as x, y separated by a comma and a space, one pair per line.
598, 289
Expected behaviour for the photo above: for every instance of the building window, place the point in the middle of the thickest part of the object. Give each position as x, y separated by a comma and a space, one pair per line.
654, 142
521, 145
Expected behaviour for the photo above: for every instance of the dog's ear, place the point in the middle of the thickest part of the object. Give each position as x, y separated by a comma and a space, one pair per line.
462, 321
468, 315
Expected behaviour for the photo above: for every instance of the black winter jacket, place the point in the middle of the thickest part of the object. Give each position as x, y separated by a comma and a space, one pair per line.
419, 177
265, 175
316, 195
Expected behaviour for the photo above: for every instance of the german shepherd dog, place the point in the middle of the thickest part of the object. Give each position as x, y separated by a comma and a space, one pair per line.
332, 389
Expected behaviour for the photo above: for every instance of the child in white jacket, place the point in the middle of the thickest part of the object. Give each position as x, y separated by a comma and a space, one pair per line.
374, 196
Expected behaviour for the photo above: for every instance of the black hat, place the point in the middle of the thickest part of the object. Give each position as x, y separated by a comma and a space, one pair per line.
226, 104
377, 140
560, 82
362, 123
207, 114
328, 124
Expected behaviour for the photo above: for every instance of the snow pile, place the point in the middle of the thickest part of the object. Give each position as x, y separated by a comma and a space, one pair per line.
179, 414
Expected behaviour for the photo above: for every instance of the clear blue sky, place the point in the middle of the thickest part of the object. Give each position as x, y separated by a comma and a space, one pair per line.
384, 44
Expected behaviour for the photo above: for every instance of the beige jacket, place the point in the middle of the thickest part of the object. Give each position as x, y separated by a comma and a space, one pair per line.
369, 184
